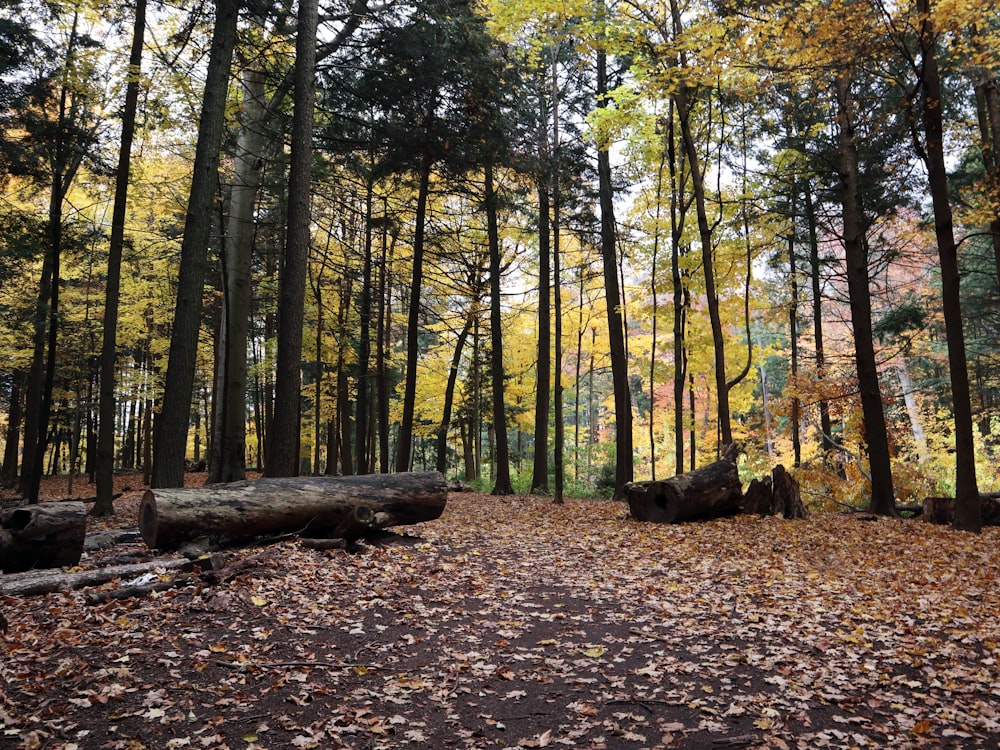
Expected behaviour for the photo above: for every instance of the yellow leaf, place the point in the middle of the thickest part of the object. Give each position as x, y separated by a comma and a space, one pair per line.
217, 648
595, 653
361, 670
259, 600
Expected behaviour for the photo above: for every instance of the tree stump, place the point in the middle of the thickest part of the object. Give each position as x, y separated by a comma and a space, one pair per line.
347, 507
776, 495
49, 535
710, 492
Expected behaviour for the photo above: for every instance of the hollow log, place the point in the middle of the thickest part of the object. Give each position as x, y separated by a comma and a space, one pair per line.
709, 492
48, 535
310, 506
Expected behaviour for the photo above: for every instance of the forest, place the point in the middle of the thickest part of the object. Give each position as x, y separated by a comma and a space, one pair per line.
541, 247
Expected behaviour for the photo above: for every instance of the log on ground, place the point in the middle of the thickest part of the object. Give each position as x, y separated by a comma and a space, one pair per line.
48, 535
942, 509
710, 492
309, 506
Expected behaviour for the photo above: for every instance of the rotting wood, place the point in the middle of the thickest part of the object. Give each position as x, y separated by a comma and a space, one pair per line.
47, 535
310, 506
712, 491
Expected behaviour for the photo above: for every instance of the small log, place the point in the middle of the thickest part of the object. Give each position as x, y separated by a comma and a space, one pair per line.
48, 535
310, 506
710, 492
47, 581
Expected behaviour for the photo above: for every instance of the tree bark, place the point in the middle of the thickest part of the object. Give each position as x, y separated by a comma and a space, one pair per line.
106, 429
284, 438
502, 484
171, 431
311, 506
876, 436
49, 535
968, 512
710, 492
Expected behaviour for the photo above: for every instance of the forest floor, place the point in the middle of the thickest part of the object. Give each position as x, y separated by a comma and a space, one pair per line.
517, 623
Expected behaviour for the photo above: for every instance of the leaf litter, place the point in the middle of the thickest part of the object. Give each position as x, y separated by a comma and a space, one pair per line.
518, 623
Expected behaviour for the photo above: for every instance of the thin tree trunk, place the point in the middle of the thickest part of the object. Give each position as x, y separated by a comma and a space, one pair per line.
284, 439
404, 443
501, 455
449, 396
968, 508
826, 426
109, 361
543, 361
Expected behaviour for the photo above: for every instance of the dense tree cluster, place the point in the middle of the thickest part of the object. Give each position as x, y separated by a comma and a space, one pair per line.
548, 246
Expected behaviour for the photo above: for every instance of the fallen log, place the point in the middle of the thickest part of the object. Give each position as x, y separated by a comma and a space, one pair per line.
47, 581
346, 507
48, 535
710, 492
942, 509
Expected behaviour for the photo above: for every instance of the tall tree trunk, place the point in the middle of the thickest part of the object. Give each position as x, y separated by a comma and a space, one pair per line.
501, 453
624, 469
826, 425
344, 383
558, 464
876, 436
968, 508
793, 329
171, 431
284, 435
228, 462
381, 347
109, 361
543, 360
404, 443
364, 339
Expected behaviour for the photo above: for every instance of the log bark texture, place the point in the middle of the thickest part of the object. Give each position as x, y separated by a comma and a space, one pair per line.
47, 581
48, 535
710, 492
310, 506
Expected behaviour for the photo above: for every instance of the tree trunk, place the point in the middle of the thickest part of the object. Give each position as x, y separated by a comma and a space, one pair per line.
404, 443
228, 462
309, 506
876, 436
106, 433
710, 492
49, 535
171, 432
502, 484
449, 396
284, 435
624, 468
543, 362
968, 513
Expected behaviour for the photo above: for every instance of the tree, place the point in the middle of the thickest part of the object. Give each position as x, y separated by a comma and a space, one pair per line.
284, 432
968, 508
171, 430
109, 359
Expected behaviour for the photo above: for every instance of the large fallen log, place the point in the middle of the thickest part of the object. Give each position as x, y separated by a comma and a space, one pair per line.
48, 535
942, 509
710, 492
309, 506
